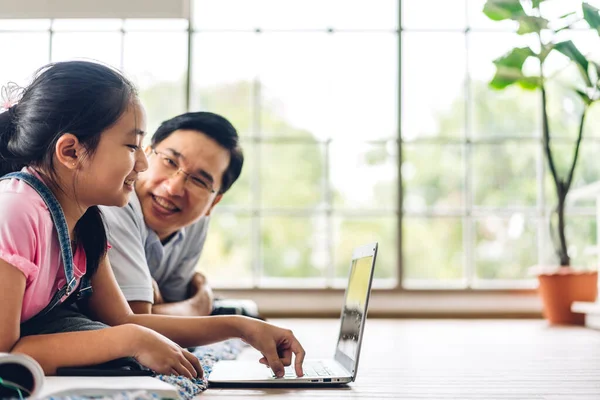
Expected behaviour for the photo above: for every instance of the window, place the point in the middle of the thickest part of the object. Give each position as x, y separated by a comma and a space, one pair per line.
314, 96
344, 108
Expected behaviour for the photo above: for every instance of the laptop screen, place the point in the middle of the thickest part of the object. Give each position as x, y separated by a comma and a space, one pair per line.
355, 306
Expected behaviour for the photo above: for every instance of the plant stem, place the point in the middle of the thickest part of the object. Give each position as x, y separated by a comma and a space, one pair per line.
561, 189
546, 140
577, 145
563, 255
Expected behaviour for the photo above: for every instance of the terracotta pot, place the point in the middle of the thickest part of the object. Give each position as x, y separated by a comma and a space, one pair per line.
560, 289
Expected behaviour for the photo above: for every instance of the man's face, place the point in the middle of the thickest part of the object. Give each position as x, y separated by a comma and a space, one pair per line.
182, 182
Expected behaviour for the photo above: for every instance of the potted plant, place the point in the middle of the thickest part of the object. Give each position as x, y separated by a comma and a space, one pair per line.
561, 285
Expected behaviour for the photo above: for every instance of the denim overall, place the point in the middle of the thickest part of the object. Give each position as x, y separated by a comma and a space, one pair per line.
62, 313
69, 290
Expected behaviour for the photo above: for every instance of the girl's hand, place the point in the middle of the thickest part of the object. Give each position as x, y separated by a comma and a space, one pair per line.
275, 344
162, 355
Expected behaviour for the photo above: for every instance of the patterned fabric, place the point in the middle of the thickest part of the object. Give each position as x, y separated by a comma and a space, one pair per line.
208, 355
188, 388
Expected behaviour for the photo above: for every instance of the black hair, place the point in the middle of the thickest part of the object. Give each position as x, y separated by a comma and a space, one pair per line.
78, 97
215, 127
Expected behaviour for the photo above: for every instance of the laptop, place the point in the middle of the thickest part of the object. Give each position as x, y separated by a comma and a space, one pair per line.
340, 369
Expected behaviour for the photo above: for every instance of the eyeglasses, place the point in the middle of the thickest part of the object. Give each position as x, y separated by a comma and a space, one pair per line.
169, 167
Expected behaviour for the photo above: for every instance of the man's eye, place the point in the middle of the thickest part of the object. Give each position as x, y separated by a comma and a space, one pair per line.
133, 147
169, 162
200, 182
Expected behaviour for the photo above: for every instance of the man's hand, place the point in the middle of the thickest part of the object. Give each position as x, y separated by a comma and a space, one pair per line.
201, 295
199, 301
158, 299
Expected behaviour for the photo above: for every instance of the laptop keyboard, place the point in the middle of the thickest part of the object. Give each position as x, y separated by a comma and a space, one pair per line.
311, 370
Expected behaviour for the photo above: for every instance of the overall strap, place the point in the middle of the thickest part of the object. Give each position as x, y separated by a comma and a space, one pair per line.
58, 217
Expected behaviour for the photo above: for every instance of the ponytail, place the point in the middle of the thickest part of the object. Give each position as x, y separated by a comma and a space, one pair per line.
91, 233
8, 127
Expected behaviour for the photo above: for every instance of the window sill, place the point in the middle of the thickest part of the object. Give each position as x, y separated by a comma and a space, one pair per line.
391, 303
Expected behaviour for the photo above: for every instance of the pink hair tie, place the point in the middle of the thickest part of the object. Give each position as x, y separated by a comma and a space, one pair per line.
9, 95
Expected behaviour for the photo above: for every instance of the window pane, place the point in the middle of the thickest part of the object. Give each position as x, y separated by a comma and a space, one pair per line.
155, 25
240, 193
295, 14
489, 107
104, 47
227, 254
291, 174
225, 81
434, 14
363, 86
433, 97
87, 24
591, 127
294, 247
157, 64
438, 184
433, 251
478, 20
505, 248
21, 69
24, 24
564, 111
364, 175
294, 87
361, 14
351, 232
504, 175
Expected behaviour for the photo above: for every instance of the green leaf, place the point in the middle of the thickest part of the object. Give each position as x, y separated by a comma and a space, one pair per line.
529, 24
499, 10
592, 16
584, 97
530, 82
505, 77
536, 3
568, 49
515, 58
509, 69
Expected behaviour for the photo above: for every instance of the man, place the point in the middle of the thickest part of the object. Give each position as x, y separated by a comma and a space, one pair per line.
157, 238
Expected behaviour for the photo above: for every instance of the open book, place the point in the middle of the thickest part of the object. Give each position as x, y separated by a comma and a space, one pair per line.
22, 373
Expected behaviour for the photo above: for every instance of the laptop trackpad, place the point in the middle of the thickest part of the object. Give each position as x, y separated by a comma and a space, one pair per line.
236, 370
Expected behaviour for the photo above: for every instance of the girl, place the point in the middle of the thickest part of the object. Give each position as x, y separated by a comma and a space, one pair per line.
75, 136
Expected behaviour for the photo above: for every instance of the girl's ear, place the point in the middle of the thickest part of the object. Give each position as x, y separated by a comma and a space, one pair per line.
69, 151
148, 151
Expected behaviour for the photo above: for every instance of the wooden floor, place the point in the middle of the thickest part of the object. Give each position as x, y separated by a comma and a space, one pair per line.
451, 359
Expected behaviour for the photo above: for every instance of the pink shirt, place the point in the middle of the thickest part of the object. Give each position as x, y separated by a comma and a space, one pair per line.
29, 242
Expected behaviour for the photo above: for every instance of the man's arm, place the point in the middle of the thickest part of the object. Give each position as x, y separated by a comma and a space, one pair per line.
199, 302
185, 291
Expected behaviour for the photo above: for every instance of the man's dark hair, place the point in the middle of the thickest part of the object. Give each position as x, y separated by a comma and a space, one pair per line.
215, 127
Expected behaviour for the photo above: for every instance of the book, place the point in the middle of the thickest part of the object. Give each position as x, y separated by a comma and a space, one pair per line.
21, 373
